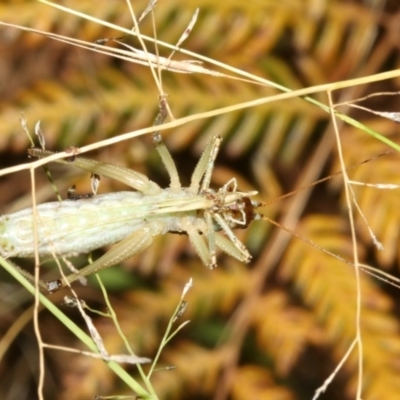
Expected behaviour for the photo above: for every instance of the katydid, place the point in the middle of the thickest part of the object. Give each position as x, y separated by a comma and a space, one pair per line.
133, 218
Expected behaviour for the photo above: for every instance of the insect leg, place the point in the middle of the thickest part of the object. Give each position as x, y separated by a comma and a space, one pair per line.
204, 167
134, 179
167, 161
230, 248
133, 244
235, 242
164, 153
211, 238
200, 246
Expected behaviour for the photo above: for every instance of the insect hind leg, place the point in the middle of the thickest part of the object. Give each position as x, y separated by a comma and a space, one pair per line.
133, 244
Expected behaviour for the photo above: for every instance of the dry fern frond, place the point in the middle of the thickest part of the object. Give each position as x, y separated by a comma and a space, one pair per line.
82, 97
283, 331
380, 206
254, 382
328, 286
196, 372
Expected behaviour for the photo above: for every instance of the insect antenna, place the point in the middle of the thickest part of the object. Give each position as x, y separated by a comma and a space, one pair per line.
326, 178
365, 268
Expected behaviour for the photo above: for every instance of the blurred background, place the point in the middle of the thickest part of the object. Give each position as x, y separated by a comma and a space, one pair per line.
274, 329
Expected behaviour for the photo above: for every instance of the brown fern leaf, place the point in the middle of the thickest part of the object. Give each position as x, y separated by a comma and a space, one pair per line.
82, 97
254, 382
283, 331
328, 286
380, 206
196, 372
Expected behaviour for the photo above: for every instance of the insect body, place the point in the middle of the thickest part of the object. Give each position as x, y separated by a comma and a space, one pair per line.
134, 218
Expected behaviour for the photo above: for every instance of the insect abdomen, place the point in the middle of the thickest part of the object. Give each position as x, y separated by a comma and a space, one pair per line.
70, 227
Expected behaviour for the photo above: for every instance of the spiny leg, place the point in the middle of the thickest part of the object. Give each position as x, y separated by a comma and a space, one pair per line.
164, 153
168, 162
234, 240
211, 239
205, 166
232, 246
228, 247
202, 174
200, 246
133, 244
134, 179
